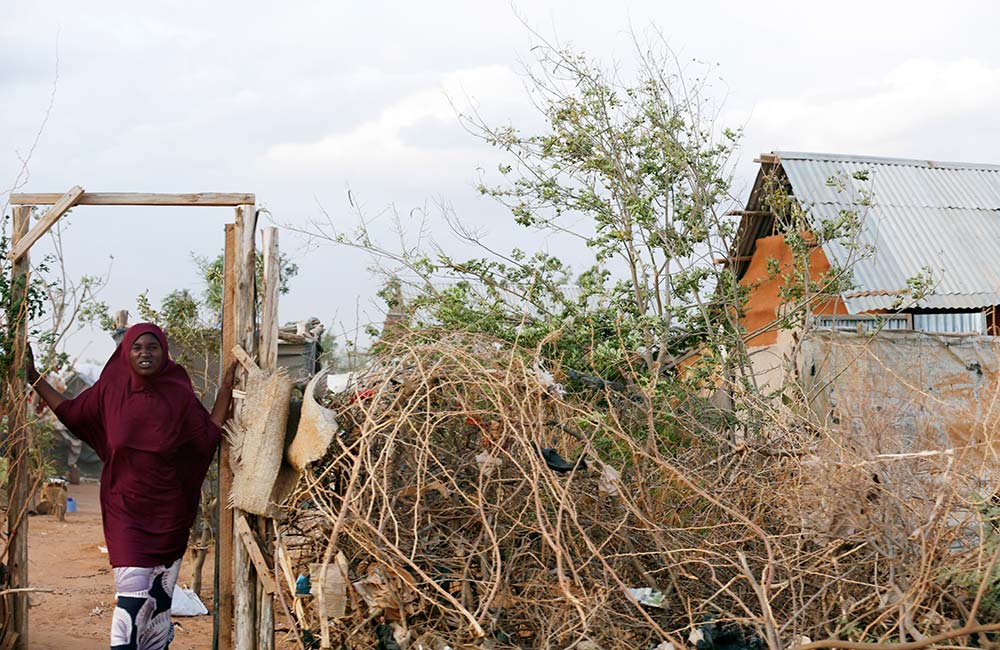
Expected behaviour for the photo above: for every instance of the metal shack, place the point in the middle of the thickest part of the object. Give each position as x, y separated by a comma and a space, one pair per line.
910, 346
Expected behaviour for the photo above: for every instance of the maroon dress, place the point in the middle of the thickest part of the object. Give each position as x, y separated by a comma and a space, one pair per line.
156, 441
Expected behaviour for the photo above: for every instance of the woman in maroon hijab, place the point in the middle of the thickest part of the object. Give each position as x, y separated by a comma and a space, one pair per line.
156, 441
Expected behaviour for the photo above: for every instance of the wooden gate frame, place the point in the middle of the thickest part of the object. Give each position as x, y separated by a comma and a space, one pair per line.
251, 614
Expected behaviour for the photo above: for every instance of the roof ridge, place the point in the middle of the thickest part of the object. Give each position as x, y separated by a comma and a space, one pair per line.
882, 160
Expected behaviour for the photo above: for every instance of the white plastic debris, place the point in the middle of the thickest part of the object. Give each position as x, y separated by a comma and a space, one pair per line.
607, 485
488, 463
665, 645
337, 384
548, 381
186, 603
646, 596
103, 549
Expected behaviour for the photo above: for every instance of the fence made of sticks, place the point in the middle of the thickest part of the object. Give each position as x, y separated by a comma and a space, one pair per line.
477, 500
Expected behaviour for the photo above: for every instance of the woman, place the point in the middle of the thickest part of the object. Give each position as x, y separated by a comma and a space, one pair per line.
156, 441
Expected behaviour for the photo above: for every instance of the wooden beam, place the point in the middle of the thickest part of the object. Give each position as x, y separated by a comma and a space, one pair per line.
58, 209
748, 213
731, 260
224, 552
17, 439
139, 198
268, 360
256, 555
244, 272
269, 308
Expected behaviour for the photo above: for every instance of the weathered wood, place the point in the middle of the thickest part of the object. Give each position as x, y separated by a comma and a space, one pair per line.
17, 441
281, 560
269, 308
256, 555
268, 359
139, 198
244, 596
245, 583
224, 552
245, 274
121, 319
288, 337
58, 209
732, 260
241, 355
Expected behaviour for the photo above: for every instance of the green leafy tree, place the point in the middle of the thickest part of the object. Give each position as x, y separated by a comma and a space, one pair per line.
633, 169
213, 271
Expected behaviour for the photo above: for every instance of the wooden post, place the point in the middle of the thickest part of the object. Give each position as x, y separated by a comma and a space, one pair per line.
17, 438
224, 549
245, 583
268, 362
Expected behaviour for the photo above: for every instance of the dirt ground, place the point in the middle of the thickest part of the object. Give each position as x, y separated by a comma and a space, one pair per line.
65, 557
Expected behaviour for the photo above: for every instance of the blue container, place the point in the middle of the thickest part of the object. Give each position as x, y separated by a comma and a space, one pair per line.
302, 586
70, 504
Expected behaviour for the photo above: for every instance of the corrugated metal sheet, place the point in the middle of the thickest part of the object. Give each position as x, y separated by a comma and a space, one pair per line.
942, 216
951, 322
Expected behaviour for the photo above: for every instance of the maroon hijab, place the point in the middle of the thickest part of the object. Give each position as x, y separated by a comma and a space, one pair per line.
146, 410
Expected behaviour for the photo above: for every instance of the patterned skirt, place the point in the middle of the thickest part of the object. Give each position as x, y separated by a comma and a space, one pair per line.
141, 620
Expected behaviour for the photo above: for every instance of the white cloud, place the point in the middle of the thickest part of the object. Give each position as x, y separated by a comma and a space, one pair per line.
386, 142
905, 106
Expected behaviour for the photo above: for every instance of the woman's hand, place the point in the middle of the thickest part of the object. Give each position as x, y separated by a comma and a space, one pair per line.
49, 395
30, 372
225, 395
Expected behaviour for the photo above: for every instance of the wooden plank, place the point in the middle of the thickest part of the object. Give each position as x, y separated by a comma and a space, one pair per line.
267, 355
17, 445
139, 198
244, 320
265, 605
268, 359
224, 552
732, 260
241, 355
269, 309
256, 555
58, 209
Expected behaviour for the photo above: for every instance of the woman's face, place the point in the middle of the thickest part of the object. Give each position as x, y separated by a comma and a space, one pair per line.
146, 355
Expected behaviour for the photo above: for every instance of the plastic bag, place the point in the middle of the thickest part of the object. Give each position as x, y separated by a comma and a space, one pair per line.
186, 603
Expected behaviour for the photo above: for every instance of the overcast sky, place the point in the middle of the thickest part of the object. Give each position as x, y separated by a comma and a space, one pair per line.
299, 101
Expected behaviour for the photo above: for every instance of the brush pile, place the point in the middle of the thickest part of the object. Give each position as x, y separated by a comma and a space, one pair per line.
476, 502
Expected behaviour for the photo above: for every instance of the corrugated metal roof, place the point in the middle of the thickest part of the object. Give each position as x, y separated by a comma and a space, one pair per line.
940, 215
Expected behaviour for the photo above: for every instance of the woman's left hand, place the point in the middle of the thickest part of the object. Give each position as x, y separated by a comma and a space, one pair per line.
225, 395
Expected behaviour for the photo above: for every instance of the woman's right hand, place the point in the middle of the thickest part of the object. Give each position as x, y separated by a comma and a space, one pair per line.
30, 372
